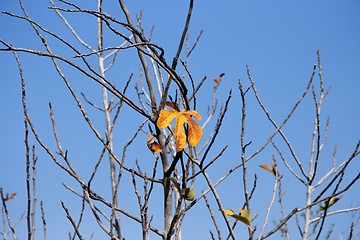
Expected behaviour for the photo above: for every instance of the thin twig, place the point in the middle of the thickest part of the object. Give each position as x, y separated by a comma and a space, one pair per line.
7, 214
71, 221
212, 217
276, 181
279, 127
43, 219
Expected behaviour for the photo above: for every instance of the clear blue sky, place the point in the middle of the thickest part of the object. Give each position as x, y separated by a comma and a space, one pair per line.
278, 39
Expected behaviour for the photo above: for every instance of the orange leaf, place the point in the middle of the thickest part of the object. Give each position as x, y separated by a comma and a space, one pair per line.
266, 167
272, 170
185, 116
155, 147
150, 139
179, 134
218, 79
152, 144
195, 133
166, 117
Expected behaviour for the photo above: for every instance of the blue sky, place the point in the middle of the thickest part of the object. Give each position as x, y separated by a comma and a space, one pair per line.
277, 39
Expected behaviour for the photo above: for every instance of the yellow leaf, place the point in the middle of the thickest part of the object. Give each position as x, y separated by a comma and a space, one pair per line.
184, 116
246, 214
243, 217
179, 134
189, 194
176, 184
165, 118
195, 131
330, 202
229, 212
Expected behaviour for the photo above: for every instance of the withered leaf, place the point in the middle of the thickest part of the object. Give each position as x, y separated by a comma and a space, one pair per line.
272, 170
218, 79
152, 144
9, 197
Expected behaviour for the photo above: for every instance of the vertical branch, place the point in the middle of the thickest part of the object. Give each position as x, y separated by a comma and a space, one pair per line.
34, 196
166, 181
243, 145
141, 58
179, 82
317, 133
108, 128
142, 213
285, 229
28, 188
159, 133
315, 143
183, 36
243, 150
277, 178
3, 218
43, 219
315, 149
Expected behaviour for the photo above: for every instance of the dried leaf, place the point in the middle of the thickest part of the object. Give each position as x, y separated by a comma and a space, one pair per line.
152, 144
181, 117
218, 79
150, 139
272, 170
266, 167
9, 197
155, 147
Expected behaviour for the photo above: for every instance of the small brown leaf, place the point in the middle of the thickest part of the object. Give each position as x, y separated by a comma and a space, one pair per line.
218, 79
155, 147
266, 167
9, 197
152, 144
272, 170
